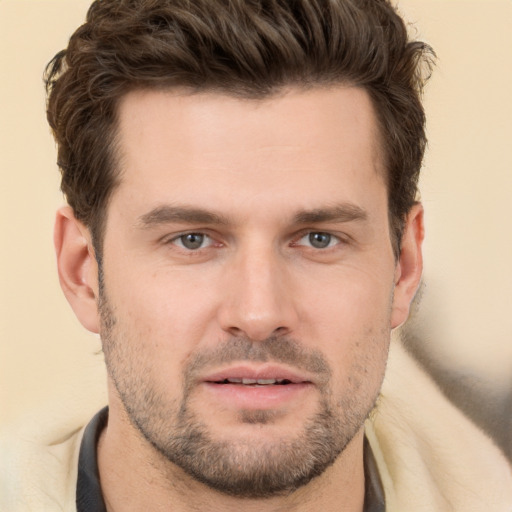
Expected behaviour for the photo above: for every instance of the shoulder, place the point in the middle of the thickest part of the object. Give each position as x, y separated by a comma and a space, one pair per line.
38, 470
429, 454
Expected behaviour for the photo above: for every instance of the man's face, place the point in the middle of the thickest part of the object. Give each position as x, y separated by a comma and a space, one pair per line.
248, 279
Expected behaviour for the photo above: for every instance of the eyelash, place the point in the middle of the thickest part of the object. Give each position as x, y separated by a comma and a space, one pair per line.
295, 242
332, 237
180, 236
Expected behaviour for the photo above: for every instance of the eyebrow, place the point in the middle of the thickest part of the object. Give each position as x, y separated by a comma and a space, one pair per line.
166, 214
346, 212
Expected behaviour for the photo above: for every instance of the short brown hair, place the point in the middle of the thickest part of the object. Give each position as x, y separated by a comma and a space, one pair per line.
247, 48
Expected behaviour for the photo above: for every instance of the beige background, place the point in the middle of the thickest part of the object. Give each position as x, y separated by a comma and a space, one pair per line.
463, 329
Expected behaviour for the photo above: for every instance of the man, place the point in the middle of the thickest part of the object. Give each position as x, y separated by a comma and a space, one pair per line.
243, 233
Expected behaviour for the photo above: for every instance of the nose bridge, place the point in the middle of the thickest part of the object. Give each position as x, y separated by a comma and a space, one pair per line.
258, 303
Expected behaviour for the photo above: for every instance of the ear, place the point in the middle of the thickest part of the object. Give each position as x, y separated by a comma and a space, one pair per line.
77, 267
409, 266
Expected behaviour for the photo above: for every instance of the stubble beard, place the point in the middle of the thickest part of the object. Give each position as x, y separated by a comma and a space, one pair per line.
241, 468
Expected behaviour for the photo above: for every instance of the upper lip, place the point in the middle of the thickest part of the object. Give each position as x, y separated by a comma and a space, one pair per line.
267, 372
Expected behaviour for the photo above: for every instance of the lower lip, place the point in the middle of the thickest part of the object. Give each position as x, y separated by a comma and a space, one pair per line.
256, 397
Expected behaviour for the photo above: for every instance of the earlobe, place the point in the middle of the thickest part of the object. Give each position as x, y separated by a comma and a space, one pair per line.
409, 267
77, 267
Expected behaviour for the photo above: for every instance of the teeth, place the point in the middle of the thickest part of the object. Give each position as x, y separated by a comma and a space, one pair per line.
261, 382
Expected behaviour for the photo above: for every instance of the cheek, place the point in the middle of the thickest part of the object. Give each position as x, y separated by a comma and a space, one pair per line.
161, 319
159, 300
350, 323
348, 305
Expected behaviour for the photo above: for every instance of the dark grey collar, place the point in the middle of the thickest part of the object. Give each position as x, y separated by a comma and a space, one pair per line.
88, 489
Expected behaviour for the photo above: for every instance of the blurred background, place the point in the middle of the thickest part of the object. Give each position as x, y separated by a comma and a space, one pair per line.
461, 327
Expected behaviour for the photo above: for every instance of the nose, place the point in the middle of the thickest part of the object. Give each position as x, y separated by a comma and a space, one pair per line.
258, 301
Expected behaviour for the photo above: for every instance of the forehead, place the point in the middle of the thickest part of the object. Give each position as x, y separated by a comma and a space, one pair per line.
171, 140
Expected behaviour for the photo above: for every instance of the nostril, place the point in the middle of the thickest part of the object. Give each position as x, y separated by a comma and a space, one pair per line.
235, 331
280, 331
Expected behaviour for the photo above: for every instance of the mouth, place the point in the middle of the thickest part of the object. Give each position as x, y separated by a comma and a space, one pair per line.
262, 376
256, 388
254, 382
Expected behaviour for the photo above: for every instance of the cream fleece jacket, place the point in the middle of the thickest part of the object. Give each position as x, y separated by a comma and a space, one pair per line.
430, 457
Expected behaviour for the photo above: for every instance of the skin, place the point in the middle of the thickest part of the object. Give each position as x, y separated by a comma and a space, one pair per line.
262, 170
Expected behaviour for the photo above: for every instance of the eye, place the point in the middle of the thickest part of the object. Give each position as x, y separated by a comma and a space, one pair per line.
192, 241
319, 240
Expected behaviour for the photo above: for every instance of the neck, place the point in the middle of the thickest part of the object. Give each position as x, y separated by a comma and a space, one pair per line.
134, 476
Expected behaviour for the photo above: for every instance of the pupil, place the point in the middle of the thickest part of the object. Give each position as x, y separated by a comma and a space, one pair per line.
192, 240
319, 240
